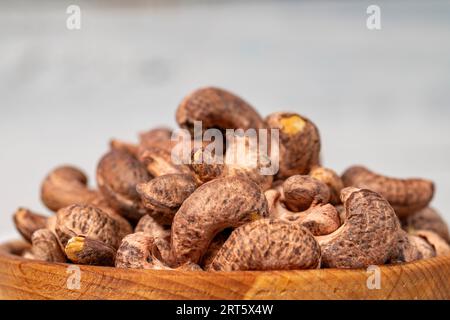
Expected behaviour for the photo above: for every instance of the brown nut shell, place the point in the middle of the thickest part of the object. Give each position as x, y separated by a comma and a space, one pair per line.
65, 186
84, 250
299, 143
303, 192
27, 222
165, 194
268, 244
428, 219
217, 108
406, 196
139, 251
213, 207
331, 179
45, 247
91, 222
440, 246
367, 235
409, 248
152, 227
118, 174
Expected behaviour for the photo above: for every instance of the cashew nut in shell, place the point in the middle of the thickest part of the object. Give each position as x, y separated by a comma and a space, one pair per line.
45, 247
427, 219
92, 222
367, 235
217, 108
164, 195
331, 179
440, 246
65, 186
150, 226
213, 207
27, 222
84, 250
118, 174
299, 143
406, 196
303, 192
268, 244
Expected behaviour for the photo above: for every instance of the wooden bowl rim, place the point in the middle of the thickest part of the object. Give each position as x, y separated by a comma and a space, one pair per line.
10, 250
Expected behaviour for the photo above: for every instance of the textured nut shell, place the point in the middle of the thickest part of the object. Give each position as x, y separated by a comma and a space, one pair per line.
217, 108
428, 219
65, 186
158, 161
84, 250
137, 251
299, 143
406, 249
118, 173
124, 147
214, 206
214, 247
88, 221
268, 245
165, 194
27, 222
151, 227
45, 247
302, 192
331, 179
367, 235
406, 196
440, 246
159, 137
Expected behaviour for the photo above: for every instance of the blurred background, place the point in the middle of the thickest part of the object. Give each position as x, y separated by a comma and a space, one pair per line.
380, 98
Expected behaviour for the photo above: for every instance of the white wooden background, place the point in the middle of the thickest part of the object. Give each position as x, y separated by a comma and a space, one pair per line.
380, 98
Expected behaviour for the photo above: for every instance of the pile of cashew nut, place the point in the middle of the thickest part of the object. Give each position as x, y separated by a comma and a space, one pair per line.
148, 212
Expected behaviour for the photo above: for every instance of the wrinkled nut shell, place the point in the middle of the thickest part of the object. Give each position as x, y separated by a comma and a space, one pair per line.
27, 222
299, 143
428, 219
331, 179
213, 207
165, 194
65, 186
268, 245
118, 173
83, 250
151, 227
367, 236
302, 192
217, 108
406, 196
409, 248
45, 247
139, 251
440, 246
88, 221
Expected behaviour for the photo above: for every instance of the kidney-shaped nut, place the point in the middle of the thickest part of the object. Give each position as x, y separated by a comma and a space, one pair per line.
331, 179
45, 246
303, 192
65, 186
159, 161
159, 137
428, 219
367, 235
441, 247
164, 195
217, 108
139, 251
152, 227
85, 250
299, 143
92, 222
406, 196
123, 146
409, 248
118, 174
213, 207
268, 244
27, 222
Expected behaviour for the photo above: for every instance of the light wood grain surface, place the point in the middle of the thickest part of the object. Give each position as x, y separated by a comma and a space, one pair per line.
26, 279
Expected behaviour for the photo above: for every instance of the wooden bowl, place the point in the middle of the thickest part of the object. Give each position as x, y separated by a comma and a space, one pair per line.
27, 279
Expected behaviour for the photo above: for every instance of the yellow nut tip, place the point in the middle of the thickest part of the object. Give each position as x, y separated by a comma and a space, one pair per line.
255, 216
293, 124
74, 246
